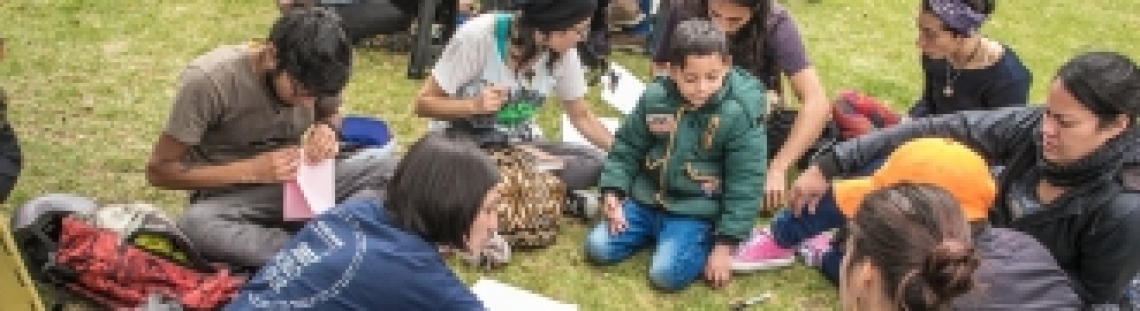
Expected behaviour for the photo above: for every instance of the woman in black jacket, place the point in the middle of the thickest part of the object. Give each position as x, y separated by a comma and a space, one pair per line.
1072, 177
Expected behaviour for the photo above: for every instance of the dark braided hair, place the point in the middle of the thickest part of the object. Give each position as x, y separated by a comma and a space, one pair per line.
313, 49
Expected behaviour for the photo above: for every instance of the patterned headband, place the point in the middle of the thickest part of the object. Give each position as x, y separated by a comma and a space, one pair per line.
957, 16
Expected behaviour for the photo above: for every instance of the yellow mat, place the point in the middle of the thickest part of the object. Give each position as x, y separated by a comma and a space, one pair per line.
17, 291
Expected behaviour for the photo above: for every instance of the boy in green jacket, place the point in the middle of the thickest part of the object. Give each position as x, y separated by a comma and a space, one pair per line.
686, 166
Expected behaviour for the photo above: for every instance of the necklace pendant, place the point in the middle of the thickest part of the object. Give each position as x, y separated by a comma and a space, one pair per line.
948, 91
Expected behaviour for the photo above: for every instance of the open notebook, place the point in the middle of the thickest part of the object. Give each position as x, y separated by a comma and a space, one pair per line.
499, 296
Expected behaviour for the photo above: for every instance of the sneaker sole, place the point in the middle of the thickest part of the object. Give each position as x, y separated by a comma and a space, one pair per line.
768, 265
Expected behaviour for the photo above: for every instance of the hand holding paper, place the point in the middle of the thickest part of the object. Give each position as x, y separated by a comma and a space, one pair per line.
320, 143
313, 192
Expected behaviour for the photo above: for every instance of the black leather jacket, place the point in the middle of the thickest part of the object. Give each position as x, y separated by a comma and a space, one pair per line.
1093, 230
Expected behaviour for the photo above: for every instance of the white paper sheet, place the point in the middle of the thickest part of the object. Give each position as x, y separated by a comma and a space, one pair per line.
499, 296
570, 134
629, 88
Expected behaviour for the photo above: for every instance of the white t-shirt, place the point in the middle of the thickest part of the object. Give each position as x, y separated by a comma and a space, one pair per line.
472, 60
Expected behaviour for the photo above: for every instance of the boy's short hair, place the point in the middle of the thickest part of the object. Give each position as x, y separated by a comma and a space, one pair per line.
696, 37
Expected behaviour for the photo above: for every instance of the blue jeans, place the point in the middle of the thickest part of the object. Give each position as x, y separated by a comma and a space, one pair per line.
683, 244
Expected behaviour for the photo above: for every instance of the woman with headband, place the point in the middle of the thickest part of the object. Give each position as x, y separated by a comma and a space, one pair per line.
963, 69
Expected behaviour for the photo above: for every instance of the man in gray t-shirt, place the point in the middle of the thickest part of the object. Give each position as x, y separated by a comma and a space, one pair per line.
234, 136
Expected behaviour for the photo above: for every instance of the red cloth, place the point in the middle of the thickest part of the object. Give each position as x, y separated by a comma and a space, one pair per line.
121, 276
856, 114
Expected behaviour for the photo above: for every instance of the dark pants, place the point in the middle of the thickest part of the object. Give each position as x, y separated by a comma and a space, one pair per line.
583, 164
245, 227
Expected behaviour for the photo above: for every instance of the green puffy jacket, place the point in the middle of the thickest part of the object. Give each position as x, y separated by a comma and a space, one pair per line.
712, 165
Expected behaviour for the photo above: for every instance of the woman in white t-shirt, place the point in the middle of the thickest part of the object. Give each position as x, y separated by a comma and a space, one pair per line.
499, 68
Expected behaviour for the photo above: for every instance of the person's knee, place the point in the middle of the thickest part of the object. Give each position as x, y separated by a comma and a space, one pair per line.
223, 239
370, 172
600, 248
677, 262
670, 277
829, 266
789, 230
581, 174
378, 166
582, 164
193, 219
781, 229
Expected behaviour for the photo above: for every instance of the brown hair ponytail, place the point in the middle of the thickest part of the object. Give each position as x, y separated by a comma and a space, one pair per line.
918, 237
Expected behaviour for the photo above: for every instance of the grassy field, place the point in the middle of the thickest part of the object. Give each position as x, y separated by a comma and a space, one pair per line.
91, 84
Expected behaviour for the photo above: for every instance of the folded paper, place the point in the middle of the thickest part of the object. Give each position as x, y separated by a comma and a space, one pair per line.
313, 192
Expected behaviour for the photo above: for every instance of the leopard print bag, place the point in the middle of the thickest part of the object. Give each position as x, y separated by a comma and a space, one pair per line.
532, 199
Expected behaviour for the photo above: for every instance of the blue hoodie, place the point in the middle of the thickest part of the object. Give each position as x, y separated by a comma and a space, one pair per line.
353, 258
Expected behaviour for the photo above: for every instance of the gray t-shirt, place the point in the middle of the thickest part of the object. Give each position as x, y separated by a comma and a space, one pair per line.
472, 60
226, 113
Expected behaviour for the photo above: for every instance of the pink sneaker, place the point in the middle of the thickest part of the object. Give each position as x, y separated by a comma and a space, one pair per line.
811, 252
761, 252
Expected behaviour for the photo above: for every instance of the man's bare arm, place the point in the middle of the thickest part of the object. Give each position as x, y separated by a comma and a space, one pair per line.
433, 102
588, 124
166, 169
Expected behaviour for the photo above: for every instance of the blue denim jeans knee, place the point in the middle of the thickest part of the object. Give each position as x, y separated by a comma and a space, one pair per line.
683, 244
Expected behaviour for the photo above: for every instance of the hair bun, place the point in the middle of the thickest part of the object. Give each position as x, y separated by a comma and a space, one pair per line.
949, 268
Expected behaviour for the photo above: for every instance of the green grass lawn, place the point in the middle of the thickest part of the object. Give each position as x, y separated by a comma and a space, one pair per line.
91, 83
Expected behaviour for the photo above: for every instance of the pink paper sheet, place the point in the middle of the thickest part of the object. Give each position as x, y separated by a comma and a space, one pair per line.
313, 192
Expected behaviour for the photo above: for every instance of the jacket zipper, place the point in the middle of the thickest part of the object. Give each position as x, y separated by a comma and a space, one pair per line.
668, 156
